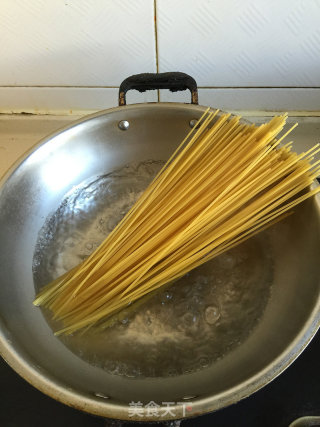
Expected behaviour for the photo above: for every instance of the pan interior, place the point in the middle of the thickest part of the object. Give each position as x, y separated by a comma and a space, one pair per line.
181, 329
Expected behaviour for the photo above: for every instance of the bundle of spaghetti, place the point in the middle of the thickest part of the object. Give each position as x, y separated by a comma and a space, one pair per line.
224, 183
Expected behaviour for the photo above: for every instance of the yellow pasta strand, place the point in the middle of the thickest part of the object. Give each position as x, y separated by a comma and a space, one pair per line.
224, 183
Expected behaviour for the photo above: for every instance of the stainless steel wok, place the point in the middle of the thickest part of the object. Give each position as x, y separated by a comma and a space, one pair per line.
34, 187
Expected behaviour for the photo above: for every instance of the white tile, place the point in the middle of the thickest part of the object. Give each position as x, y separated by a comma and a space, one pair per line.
241, 43
75, 42
274, 99
65, 100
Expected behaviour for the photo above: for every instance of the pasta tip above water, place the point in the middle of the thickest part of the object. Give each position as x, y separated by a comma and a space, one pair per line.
224, 183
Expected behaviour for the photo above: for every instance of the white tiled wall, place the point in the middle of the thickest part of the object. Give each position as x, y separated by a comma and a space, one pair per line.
70, 55
236, 43
75, 42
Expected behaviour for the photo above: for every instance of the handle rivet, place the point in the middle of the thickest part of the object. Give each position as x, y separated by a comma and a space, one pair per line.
124, 125
193, 122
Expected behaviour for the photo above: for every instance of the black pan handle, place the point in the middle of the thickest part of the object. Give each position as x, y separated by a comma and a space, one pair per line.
173, 81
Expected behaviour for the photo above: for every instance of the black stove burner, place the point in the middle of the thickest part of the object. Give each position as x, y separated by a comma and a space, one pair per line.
294, 394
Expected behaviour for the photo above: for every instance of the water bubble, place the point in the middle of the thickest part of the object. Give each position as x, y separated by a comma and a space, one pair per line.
130, 373
111, 367
230, 290
188, 369
204, 362
196, 300
112, 223
136, 371
168, 295
148, 321
70, 242
171, 372
212, 314
190, 318
165, 297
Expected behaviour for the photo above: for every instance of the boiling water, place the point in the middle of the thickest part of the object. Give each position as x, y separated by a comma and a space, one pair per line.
180, 329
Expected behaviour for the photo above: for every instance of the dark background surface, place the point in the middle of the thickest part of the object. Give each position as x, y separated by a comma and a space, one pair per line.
294, 394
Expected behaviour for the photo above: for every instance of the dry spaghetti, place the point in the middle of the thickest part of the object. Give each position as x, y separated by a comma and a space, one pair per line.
225, 182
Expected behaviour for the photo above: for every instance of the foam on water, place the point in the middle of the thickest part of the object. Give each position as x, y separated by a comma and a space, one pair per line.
180, 329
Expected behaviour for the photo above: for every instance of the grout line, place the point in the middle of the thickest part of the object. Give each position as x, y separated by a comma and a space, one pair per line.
117, 87
156, 41
58, 86
258, 87
25, 113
